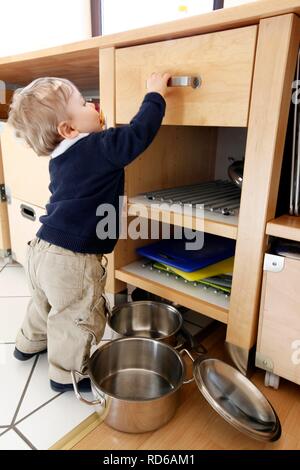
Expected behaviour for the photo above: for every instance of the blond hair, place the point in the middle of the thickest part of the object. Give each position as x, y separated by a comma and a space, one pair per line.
36, 111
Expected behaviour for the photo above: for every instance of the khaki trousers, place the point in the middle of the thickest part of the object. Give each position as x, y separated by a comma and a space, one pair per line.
67, 311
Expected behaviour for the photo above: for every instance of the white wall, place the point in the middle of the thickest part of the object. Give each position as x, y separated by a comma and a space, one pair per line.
122, 15
234, 3
28, 25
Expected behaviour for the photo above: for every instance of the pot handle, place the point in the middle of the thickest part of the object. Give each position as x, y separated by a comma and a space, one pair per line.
192, 343
108, 308
100, 401
179, 345
187, 337
188, 381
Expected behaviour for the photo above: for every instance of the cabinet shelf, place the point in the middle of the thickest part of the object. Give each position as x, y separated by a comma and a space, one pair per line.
214, 223
286, 226
205, 301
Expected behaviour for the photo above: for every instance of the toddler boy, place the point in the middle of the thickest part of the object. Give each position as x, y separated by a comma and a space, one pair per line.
66, 263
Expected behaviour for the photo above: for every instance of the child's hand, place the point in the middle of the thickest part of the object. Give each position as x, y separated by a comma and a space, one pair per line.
158, 83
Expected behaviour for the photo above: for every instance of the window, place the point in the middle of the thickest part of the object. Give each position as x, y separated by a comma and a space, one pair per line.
37, 24
123, 15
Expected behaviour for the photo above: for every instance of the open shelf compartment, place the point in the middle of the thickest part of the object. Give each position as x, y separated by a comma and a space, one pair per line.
285, 226
198, 298
212, 222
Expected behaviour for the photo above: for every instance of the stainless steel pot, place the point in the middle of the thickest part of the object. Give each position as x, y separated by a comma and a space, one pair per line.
146, 319
235, 172
136, 382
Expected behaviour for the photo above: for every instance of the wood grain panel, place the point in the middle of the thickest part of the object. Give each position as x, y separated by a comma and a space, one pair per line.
178, 156
4, 228
4, 224
286, 226
68, 60
279, 324
62, 64
107, 103
277, 49
223, 60
26, 175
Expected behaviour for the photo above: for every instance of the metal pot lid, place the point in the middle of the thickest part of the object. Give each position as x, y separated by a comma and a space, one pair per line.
236, 399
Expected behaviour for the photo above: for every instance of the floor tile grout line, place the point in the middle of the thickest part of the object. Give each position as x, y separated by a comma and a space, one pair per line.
13, 263
37, 409
12, 426
24, 391
24, 438
6, 430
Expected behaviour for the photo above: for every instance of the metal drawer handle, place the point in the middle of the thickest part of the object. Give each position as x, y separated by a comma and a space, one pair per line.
28, 212
192, 81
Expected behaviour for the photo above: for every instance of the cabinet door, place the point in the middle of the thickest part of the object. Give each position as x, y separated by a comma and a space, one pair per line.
279, 319
224, 62
23, 224
26, 175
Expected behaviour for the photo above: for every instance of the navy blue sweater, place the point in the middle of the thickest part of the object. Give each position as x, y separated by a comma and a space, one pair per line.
91, 173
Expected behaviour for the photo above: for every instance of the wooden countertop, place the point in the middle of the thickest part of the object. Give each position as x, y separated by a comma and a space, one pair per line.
79, 61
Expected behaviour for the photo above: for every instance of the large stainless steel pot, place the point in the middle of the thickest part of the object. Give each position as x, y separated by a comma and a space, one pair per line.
146, 319
136, 382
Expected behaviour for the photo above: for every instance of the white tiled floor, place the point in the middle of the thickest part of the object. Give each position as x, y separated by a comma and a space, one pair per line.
32, 416
57, 418
12, 441
12, 313
13, 282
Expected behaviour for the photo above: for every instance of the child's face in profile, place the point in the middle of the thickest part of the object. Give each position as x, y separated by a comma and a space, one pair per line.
83, 117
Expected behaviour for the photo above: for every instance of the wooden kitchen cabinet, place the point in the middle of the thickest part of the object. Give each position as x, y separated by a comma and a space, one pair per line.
26, 174
278, 342
24, 223
246, 57
223, 61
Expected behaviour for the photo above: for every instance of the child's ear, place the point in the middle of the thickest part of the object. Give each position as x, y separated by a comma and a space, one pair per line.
66, 131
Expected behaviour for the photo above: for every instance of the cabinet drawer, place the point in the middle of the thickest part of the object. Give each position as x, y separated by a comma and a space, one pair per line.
224, 62
26, 175
23, 225
278, 343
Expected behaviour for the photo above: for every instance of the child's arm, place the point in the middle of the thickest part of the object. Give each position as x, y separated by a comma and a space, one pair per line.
124, 144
